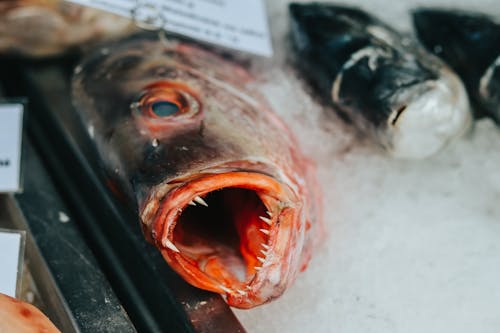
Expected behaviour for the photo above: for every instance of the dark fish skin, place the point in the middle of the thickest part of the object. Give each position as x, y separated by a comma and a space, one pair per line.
369, 72
327, 36
470, 43
221, 186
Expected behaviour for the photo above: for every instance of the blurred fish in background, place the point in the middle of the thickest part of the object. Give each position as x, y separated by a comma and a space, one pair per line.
44, 28
470, 43
390, 89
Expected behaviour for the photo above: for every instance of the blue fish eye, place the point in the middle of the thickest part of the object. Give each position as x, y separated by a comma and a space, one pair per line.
164, 108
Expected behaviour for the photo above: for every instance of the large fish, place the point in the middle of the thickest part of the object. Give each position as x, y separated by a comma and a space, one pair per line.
470, 43
407, 100
221, 186
40, 28
20, 317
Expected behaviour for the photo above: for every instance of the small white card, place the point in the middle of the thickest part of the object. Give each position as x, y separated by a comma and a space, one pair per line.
11, 129
237, 24
11, 252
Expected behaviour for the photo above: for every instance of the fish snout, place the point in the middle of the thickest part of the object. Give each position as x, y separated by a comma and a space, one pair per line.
430, 118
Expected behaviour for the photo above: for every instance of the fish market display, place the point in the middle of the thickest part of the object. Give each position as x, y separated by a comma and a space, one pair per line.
20, 317
407, 100
40, 28
470, 44
221, 187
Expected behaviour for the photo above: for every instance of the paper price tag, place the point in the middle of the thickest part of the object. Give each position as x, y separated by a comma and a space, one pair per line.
11, 255
238, 24
11, 124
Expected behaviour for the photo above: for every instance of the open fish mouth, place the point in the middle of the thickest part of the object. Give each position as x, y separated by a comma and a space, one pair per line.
234, 233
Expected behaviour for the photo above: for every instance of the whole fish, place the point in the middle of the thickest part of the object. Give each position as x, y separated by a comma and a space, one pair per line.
470, 43
41, 28
20, 317
221, 186
407, 100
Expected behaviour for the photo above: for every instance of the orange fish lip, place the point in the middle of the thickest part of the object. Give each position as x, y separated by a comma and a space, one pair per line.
282, 235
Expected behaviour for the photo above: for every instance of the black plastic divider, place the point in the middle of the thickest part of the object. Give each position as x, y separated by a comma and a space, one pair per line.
69, 284
73, 289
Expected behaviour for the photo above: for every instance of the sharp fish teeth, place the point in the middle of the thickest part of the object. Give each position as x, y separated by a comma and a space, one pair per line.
226, 290
167, 243
264, 231
265, 219
264, 252
192, 203
267, 247
241, 292
269, 213
199, 200
249, 288
262, 260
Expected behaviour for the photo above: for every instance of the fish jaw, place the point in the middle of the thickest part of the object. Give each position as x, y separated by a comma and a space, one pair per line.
429, 119
268, 226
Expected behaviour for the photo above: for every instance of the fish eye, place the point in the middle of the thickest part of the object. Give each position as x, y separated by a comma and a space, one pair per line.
164, 108
163, 100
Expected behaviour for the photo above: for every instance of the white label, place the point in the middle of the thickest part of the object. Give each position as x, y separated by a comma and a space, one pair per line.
10, 249
238, 24
11, 123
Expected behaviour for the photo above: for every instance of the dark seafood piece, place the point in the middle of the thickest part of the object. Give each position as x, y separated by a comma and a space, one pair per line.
470, 44
407, 100
41, 28
220, 184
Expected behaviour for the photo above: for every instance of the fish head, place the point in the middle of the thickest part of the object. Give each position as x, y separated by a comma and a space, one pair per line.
414, 105
469, 42
222, 189
379, 80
